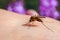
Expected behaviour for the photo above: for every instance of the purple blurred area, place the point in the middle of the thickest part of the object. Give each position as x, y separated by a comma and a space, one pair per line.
17, 7
46, 8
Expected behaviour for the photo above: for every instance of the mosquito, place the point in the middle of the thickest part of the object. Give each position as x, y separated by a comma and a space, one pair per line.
37, 18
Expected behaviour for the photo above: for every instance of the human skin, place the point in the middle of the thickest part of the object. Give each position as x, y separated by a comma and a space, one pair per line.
11, 27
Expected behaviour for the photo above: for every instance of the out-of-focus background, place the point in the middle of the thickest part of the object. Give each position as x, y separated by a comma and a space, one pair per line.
49, 8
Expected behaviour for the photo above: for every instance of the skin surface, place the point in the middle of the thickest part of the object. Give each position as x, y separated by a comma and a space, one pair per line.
11, 27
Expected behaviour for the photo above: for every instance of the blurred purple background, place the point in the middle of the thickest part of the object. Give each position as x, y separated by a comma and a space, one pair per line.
46, 8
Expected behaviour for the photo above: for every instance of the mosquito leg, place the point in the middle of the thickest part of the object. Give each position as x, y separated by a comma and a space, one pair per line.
47, 27
41, 16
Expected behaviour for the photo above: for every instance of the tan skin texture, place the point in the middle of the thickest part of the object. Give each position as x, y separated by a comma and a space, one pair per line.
11, 27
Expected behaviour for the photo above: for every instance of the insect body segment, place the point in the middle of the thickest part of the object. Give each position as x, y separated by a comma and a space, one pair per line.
35, 18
